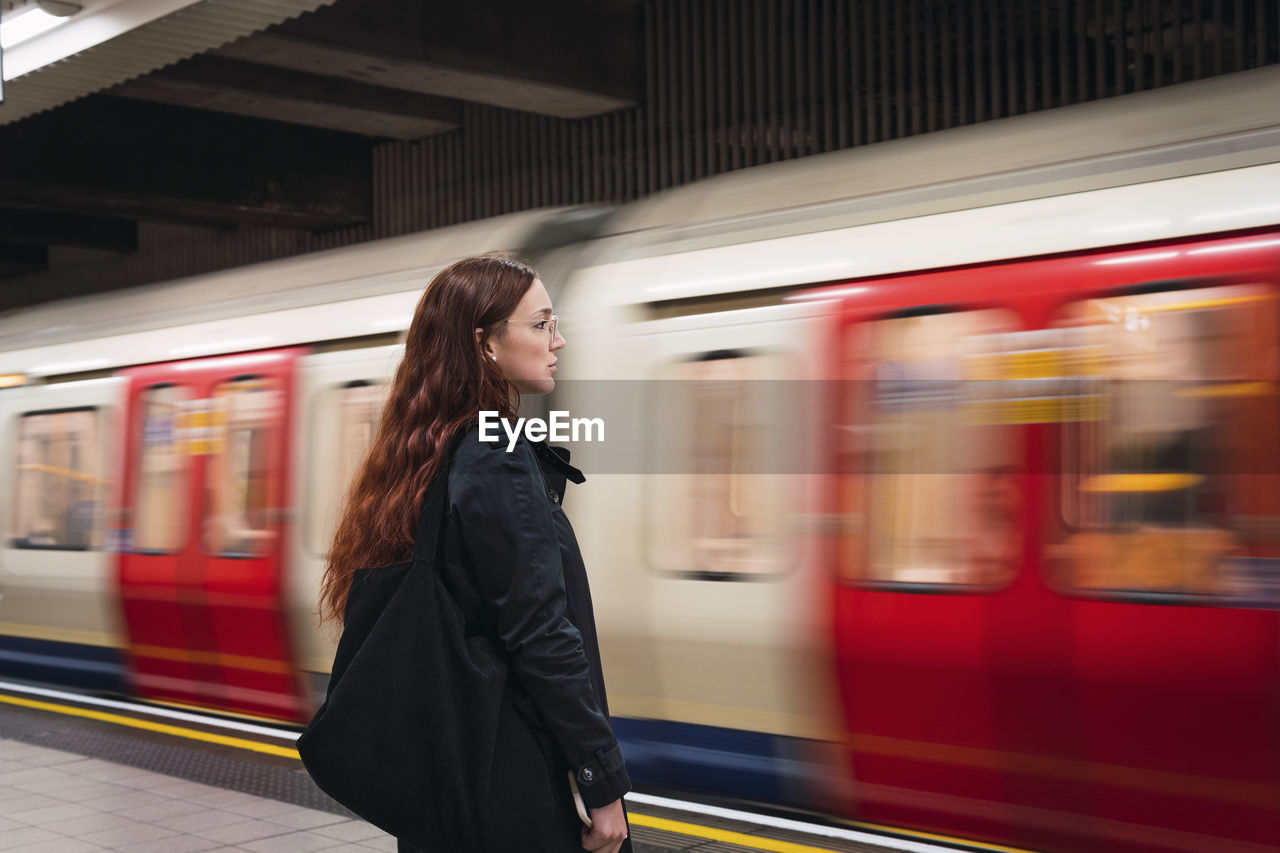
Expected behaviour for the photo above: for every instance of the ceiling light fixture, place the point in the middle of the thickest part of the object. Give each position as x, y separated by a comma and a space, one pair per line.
42, 32
31, 21
59, 8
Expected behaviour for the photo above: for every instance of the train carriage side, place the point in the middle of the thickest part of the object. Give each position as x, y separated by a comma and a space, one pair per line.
1057, 609
953, 531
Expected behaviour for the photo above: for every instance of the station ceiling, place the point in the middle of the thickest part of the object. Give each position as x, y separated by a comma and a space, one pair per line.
223, 133
275, 127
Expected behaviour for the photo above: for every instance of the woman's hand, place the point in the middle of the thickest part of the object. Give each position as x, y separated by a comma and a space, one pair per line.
608, 829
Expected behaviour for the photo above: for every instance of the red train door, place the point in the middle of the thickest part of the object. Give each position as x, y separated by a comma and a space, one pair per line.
929, 479
201, 537
1160, 532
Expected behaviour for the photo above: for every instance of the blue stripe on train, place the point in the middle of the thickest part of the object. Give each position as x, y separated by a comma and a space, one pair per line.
72, 664
659, 753
713, 760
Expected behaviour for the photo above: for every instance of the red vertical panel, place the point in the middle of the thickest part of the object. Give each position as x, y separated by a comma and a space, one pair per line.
205, 628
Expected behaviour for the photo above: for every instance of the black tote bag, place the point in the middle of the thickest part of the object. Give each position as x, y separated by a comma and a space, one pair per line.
418, 734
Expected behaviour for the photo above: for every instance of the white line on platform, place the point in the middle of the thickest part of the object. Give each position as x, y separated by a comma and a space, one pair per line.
790, 825
151, 710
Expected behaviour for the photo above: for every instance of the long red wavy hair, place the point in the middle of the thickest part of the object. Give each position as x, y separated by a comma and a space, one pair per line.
441, 385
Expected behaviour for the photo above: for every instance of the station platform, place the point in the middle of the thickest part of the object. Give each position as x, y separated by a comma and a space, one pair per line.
88, 773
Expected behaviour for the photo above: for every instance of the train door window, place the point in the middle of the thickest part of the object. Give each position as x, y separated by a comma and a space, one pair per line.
929, 450
240, 511
160, 501
346, 421
59, 484
717, 506
1170, 492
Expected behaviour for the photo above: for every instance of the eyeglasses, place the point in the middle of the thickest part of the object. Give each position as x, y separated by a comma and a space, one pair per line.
551, 325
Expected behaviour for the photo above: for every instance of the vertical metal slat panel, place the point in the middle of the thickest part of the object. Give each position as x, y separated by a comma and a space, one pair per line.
679, 126
1121, 48
947, 80
1009, 55
978, 34
1156, 44
964, 46
819, 77
695, 133
1102, 49
1238, 30
1081, 34
1218, 39
899, 89
737, 52
723, 124
913, 63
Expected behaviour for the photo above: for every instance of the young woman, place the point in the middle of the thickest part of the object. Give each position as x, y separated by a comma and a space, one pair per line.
483, 334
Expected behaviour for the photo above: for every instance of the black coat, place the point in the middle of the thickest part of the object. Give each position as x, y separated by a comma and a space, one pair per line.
511, 561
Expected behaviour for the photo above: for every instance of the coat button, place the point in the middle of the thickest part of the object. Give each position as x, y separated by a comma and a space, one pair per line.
586, 775
551, 493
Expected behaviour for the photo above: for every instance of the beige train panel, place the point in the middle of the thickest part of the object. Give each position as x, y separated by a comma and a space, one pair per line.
745, 654
773, 687
51, 594
312, 459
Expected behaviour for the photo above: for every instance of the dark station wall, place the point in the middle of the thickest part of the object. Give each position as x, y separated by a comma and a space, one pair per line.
728, 84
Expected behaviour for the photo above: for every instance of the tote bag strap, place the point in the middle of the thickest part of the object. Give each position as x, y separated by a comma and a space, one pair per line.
424, 543
433, 507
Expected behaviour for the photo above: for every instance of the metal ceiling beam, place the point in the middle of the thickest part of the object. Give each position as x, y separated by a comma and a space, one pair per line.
22, 258
570, 59
116, 157
63, 229
279, 94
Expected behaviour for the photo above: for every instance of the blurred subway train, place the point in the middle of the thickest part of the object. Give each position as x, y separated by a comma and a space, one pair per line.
940, 487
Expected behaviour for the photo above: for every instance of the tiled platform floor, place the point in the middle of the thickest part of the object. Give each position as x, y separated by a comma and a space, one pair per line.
60, 802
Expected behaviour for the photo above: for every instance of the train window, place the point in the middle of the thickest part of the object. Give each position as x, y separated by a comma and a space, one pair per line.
345, 423
929, 451
1163, 492
241, 518
59, 487
159, 506
720, 497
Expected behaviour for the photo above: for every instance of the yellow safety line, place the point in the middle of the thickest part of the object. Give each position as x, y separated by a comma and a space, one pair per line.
639, 819
740, 838
205, 709
193, 734
757, 842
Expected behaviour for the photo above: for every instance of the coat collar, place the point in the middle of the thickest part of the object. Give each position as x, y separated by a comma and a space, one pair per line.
555, 460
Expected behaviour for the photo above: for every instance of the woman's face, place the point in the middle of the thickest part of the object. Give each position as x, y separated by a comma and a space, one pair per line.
525, 350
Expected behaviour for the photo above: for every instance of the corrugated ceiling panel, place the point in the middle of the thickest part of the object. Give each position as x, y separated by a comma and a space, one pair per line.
195, 29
